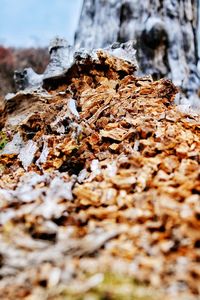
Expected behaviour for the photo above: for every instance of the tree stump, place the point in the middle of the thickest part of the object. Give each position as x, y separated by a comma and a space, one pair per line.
166, 35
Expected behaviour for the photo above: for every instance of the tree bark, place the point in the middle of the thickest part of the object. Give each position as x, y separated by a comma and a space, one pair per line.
165, 32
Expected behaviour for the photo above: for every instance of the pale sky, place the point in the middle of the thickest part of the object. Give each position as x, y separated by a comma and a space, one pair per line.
26, 23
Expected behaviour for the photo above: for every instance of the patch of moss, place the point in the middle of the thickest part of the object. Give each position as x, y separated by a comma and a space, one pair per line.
116, 287
113, 287
3, 140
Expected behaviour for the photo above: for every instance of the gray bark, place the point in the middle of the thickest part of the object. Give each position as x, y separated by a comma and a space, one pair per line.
165, 32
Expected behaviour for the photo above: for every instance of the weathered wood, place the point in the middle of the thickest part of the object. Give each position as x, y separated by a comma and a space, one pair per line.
165, 31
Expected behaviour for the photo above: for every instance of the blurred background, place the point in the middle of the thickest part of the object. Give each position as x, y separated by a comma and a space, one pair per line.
26, 28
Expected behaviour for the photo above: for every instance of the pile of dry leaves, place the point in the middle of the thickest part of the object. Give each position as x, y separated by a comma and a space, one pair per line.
100, 174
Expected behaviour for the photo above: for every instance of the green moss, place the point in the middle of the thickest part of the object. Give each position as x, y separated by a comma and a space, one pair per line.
113, 287
3, 139
116, 287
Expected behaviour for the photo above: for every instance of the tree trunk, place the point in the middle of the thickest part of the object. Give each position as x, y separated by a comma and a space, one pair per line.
165, 31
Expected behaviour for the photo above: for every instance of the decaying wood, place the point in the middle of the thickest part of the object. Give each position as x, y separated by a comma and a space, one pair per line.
165, 32
101, 172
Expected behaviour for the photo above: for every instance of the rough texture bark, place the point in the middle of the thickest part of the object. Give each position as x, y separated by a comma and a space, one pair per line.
165, 31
